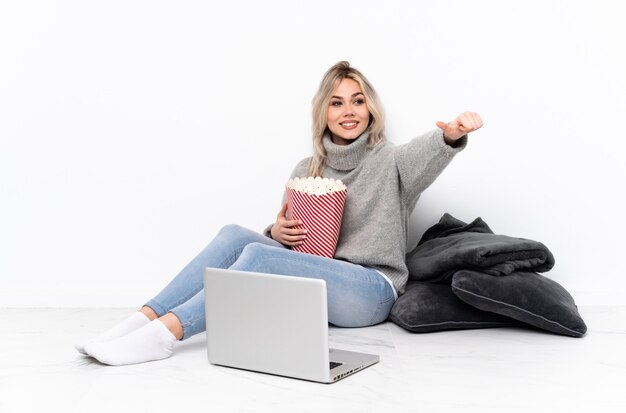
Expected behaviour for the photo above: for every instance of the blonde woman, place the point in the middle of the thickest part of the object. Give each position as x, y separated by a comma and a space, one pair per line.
368, 271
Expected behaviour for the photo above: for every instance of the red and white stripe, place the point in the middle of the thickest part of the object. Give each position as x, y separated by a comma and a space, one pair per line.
321, 217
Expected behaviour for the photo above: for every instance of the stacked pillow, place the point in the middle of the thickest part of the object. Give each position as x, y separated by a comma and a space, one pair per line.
464, 276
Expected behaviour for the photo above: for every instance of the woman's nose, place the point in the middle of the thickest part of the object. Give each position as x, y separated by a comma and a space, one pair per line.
348, 110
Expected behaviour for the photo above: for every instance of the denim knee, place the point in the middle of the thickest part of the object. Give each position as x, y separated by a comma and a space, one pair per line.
250, 258
231, 230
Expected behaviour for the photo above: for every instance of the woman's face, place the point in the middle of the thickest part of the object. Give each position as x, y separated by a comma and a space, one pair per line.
347, 116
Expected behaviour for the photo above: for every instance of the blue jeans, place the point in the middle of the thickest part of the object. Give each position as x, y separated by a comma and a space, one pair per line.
357, 296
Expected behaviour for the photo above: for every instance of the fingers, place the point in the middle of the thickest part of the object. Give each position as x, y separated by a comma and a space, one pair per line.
469, 121
292, 231
292, 223
442, 125
284, 231
291, 237
478, 119
294, 240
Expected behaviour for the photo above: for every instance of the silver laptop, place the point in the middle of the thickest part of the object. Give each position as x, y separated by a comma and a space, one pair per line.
274, 324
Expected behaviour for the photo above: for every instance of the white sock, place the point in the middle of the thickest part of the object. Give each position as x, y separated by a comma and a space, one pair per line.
132, 323
151, 342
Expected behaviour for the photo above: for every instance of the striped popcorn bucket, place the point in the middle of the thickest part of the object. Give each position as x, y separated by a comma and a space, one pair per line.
320, 216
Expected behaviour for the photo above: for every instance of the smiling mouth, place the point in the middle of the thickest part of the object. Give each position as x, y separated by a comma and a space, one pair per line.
349, 125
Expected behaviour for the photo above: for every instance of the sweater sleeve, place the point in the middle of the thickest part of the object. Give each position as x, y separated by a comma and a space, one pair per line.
299, 171
421, 160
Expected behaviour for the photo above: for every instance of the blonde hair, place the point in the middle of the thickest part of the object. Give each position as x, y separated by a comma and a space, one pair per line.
330, 81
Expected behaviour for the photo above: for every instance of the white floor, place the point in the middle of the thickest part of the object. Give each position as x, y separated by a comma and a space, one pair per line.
498, 370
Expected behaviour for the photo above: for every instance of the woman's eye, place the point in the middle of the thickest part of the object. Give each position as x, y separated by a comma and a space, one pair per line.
335, 103
359, 101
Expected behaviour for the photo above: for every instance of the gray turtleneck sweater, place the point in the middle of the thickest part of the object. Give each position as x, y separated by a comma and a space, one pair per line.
384, 184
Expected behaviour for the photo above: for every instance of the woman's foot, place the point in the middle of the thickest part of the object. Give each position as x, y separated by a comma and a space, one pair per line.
132, 323
151, 342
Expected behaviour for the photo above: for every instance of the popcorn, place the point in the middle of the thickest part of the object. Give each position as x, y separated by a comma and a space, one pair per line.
318, 203
316, 186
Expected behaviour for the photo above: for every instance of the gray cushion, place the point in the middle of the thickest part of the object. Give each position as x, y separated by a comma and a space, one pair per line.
525, 296
427, 307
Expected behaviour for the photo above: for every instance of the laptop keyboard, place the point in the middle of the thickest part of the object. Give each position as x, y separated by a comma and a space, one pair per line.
334, 364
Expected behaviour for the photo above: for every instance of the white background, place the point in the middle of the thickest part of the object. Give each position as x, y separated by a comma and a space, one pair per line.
132, 131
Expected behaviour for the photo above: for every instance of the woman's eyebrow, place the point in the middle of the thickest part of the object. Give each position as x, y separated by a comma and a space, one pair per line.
353, 95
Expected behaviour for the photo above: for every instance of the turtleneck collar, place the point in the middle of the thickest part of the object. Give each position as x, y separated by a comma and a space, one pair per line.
345, 157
